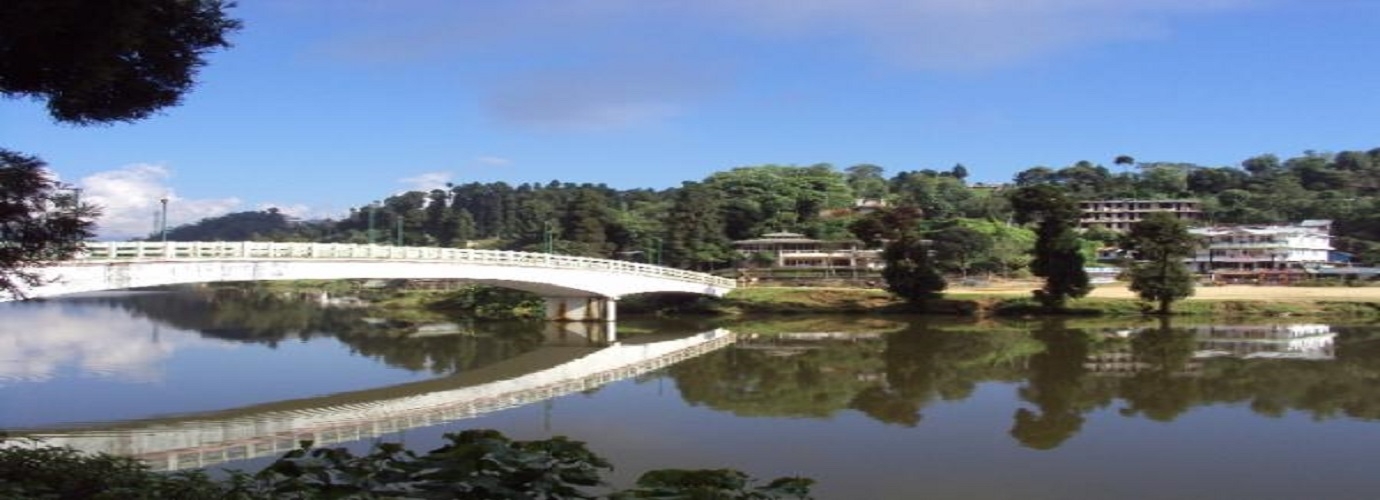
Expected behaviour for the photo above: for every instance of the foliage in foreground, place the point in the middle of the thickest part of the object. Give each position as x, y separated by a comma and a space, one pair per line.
40, 220
472, 464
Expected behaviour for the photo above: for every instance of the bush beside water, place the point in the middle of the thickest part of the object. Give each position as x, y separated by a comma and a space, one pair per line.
472, 464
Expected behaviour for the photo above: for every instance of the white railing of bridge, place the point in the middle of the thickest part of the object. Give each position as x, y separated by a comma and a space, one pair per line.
256, 250
201, 443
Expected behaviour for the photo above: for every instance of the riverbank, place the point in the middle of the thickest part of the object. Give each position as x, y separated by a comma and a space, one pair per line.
1014, 298
1008, 298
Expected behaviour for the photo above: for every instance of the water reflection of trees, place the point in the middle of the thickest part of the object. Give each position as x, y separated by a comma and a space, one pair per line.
255, 315
1062, 369
888, 377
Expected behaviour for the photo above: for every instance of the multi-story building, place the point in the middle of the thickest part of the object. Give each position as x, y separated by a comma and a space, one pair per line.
797, 251
1118, 215
1272, 249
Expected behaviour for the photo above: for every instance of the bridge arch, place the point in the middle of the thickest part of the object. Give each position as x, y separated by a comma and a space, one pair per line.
575, 288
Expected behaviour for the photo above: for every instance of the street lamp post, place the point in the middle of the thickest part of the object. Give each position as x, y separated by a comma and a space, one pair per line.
656, 252
373, 209
548, 235
163, 219
400, 228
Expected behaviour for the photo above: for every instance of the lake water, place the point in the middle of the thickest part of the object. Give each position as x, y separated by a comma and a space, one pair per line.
870, 407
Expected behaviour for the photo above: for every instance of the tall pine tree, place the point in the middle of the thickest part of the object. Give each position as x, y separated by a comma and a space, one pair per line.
1058, 256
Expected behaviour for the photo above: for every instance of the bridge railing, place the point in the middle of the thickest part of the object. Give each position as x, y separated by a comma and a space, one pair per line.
257, 250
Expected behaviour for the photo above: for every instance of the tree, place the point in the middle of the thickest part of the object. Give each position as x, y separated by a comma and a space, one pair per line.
1057, 253
1160, 243
938, 196
40, 221
107, 60
694, 230
767, 198
959, 247
1010, 249
909, 271
93, 62
1124, 161
867, 181
1262, 166
239, 226
584, 221
1035, 175
959, 172
884, 224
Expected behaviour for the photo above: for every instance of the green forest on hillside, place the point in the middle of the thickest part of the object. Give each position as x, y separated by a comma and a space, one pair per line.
691, 226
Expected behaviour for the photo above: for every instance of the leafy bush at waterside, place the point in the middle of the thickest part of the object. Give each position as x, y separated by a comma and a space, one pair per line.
472, 464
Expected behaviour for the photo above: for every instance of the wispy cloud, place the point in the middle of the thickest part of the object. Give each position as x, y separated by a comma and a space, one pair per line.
131, 197
965, 35
592, 98
427, 181
302, 211
611, 64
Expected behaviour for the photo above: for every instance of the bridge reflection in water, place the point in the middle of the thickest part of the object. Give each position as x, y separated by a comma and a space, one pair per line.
270, 429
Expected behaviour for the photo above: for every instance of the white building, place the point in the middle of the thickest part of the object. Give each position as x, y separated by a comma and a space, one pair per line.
797, 251
1274, 249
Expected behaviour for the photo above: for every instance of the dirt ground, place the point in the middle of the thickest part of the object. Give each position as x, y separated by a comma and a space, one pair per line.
1222, 292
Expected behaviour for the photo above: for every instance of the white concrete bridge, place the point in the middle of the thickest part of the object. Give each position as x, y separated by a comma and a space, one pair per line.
575, 288
273, 429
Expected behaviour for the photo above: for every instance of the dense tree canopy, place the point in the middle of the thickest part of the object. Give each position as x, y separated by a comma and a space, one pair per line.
98, 61
91, 61
692, 225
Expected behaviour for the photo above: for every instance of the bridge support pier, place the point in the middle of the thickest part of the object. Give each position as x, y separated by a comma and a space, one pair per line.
581, 309
580, 333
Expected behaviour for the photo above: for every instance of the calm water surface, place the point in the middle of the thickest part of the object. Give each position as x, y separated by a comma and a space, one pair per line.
869, 407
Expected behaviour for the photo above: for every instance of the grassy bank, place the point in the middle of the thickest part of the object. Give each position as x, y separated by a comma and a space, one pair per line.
795, 300
489, 303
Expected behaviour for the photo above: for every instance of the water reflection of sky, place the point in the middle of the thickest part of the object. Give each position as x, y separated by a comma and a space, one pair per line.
1171, 421
67, 362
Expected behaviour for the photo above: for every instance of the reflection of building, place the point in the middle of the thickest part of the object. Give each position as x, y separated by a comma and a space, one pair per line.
1304, 341
1121, 360
1263, 250
1118, 215
797, 251
791, 344
1299, 341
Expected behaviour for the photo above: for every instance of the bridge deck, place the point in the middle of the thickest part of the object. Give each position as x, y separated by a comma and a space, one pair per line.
112, 266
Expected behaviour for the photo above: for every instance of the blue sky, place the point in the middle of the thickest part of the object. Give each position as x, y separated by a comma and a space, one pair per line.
326, 104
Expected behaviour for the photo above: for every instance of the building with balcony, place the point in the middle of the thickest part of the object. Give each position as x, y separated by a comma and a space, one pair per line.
792, 250
1268, 252
1118, 215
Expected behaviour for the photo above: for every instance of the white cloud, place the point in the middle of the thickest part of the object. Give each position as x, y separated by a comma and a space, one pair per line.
130, 201
427, 181
123, 351
301, 211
